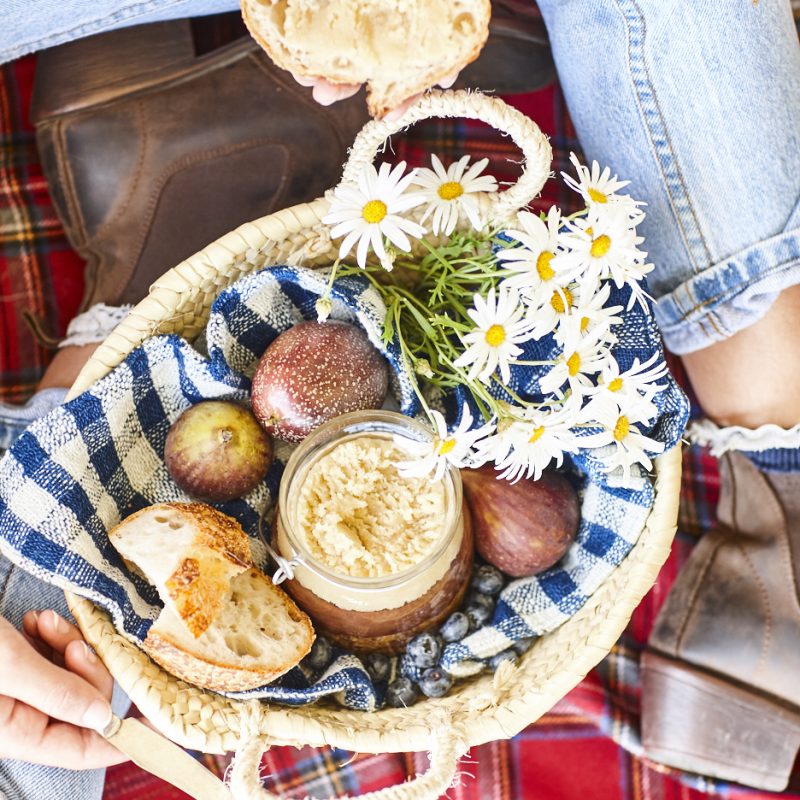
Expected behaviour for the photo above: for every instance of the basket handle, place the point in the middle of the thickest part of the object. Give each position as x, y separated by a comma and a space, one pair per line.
525, 133
447, 749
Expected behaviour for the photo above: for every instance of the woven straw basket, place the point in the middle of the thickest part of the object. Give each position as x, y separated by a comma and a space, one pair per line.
478, 710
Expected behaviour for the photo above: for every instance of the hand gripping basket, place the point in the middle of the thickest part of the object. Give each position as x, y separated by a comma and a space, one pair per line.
478, 710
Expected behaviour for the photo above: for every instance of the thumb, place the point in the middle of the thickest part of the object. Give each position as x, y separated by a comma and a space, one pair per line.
27, 676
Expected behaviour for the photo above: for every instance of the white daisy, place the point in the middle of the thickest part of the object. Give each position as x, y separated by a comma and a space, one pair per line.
535, 273
498, 445
621, 445
372, 209
542, 438
500, 326
634, 388
443, 449
600, 188
604, 245
588, 318
554, 309
574, 367
452, 190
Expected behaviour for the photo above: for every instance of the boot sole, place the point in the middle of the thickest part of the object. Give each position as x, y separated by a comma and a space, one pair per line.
698, 722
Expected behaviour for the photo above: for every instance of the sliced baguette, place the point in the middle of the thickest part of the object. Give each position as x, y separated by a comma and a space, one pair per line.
259, 634
398, 48
190, 552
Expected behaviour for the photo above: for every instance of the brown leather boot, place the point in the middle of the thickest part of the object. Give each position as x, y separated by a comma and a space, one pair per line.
721, 680
152, 152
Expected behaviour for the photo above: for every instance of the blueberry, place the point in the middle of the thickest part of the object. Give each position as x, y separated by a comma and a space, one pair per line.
401, 693
425, 649
480, 599
478, 616
523, 645
455, 627
435, 682
408, 669
320, 655
488, 580
506, 655
378, 666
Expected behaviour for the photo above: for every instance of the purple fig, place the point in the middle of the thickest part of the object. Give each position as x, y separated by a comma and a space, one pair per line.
216, 450
521, 528
314, 372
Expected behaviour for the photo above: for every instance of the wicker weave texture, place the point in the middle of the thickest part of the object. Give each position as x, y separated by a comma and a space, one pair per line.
477, 710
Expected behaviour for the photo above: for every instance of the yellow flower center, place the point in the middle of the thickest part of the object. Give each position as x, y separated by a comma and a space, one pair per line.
597, 196
446, 446
536, 435
495, 336
574, 364
600, 246
451, 190
374, 211
546, 272
557, 300
615, 385
621, 428
584, 324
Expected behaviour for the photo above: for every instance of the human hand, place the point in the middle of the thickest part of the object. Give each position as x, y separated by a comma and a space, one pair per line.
54, 695
327, 93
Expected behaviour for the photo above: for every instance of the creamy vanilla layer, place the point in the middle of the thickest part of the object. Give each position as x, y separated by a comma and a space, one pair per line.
357, 517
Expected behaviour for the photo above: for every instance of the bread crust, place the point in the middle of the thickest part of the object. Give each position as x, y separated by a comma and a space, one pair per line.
227, 677
220, 549
379, 100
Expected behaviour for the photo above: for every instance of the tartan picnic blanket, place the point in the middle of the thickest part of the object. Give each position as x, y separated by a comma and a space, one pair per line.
588, 744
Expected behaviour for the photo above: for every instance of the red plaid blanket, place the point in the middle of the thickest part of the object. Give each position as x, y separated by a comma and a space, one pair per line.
587, 746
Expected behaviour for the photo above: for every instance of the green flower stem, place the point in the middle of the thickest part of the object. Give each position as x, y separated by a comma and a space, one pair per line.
427, 301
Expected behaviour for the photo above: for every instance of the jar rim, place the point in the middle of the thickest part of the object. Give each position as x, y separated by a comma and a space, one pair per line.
352, 425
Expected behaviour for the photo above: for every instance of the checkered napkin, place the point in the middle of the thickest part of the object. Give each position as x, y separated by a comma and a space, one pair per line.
78, 471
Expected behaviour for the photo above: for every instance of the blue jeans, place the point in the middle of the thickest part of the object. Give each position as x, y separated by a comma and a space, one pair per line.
698, 104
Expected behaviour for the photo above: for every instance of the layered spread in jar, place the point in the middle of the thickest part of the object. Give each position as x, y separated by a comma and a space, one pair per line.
381, 556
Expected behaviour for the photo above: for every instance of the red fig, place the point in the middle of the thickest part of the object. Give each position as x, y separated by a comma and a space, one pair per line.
314, 372
216, 450
521, 528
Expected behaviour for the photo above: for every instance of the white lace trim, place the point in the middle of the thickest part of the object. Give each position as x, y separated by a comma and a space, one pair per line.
94, 325
721, 440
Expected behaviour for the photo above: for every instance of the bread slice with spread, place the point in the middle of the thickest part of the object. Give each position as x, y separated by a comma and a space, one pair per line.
397, 48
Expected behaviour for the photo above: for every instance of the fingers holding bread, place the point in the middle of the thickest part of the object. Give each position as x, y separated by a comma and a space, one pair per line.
224, 625
398, 50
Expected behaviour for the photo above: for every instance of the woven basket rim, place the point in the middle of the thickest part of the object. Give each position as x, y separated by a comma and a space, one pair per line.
484, 708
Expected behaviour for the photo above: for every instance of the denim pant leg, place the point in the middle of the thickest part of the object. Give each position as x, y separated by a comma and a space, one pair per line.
698, 104
30, 25
20, 592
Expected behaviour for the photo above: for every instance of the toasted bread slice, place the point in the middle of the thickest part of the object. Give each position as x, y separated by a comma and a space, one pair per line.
397, 49
190, 552
259, 634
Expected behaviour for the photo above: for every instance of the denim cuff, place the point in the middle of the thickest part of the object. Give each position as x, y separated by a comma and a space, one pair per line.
729, 296
14, 419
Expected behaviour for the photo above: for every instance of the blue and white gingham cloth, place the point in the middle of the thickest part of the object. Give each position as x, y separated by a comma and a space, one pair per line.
77, 472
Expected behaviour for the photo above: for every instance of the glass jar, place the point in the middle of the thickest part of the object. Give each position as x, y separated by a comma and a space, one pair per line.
382, 612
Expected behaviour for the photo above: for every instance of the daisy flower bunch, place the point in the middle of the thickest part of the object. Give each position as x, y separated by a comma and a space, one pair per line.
519, 320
